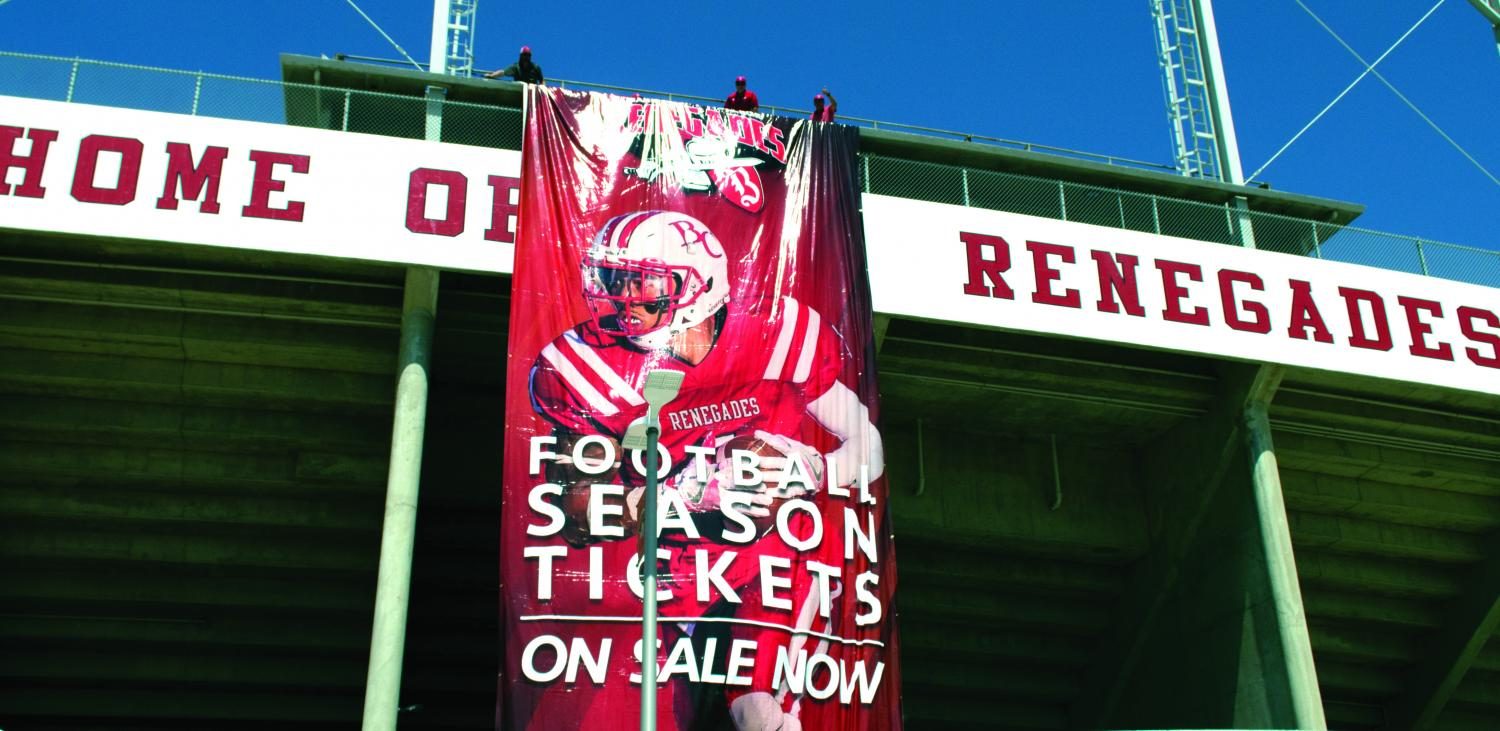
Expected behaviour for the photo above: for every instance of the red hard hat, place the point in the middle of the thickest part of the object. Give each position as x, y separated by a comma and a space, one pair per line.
739, 79
525, 50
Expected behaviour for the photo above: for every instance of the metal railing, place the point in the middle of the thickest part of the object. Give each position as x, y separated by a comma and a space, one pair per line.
1219, 223
201, 93
234, 97
786, 111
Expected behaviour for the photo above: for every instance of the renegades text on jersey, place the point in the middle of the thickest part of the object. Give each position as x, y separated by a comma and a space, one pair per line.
766, 365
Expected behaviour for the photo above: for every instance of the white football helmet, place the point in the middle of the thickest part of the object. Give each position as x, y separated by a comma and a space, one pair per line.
650, 275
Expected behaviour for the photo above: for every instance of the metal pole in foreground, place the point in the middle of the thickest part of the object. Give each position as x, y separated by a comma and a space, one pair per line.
388, 635
661, 387
648, 580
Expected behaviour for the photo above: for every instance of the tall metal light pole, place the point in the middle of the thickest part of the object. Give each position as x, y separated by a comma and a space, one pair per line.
453, 28
1187, 41
1224, 136
661, 387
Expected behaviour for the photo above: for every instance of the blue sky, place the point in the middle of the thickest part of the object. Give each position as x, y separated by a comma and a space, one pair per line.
1079, 75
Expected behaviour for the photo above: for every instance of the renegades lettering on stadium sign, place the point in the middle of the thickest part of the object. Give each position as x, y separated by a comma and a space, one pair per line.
194, 173
1367, 315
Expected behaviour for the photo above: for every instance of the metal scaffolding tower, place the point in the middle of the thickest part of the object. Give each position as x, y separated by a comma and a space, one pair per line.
1185, 79
1187, 39
459, 44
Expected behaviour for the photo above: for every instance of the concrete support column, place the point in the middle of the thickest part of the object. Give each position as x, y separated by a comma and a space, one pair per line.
392, 592
1211, 633
1304, 701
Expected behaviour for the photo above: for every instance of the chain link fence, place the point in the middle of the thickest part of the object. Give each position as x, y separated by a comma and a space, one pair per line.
259, 100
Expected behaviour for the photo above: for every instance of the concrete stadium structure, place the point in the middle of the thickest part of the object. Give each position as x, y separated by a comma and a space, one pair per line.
194, 441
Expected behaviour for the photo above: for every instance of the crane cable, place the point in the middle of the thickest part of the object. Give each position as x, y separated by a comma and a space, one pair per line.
385, 35
1371, 69
1347, 89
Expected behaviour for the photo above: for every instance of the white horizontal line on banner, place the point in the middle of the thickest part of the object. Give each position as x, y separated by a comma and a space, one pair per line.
696, 620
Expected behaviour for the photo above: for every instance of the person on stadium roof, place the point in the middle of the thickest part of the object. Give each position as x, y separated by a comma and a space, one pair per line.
742, 99
523, 70
821, 113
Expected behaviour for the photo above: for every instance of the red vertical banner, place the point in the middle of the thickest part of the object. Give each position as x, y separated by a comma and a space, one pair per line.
725, 246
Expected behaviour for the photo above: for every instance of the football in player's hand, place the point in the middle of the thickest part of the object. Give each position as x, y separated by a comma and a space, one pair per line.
769, 486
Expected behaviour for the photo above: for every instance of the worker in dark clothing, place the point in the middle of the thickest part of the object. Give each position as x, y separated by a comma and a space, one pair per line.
523, 70
742, 99
821, 113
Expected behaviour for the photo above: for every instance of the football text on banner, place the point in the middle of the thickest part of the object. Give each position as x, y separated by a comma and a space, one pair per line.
727, 246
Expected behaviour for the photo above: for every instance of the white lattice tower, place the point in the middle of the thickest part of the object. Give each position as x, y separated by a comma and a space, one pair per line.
460, 38
1185, 83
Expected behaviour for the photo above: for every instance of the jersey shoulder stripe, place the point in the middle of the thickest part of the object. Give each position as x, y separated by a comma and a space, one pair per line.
577, 382
809, 345
789, 317
796, 348
618, 387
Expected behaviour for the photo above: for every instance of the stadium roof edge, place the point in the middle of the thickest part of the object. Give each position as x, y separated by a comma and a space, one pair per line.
301, 69
370, 77
989, 157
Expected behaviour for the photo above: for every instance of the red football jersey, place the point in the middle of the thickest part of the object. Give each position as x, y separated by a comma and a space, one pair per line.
769, 361
746, 103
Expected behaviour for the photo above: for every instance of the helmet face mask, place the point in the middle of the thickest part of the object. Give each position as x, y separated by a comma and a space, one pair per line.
651, 275
630, 299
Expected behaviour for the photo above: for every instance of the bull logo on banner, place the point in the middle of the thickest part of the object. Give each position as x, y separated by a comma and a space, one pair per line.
719, 151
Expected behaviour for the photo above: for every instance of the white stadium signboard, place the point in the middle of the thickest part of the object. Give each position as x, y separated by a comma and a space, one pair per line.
123, 173
1018, 272
119, 173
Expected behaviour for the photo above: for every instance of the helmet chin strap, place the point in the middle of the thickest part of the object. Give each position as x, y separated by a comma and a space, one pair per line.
657, 339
